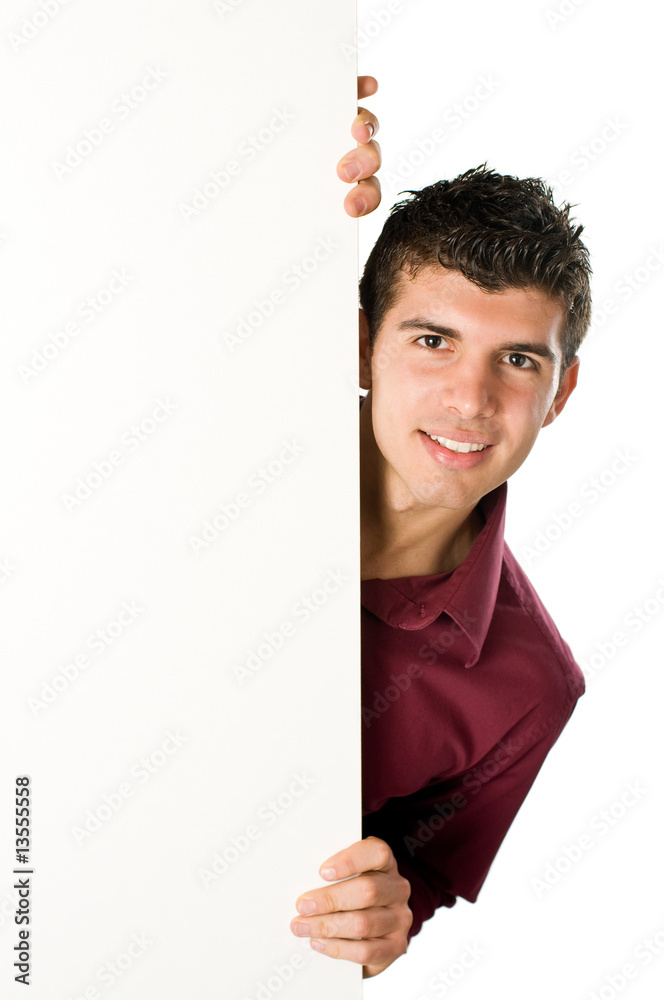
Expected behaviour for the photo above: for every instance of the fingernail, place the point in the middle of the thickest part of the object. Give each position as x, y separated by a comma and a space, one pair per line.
306, 906
302, 930
318, 945
330, 872
370, 127
360, 205
352, 170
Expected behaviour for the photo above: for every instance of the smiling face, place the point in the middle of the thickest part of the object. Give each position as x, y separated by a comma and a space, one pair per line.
481, 370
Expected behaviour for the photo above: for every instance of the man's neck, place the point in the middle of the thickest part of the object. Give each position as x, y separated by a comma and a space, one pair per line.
400, 537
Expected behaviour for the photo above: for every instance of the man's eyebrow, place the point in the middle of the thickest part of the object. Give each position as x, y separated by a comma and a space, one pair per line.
541, 350
425, 324
529, 347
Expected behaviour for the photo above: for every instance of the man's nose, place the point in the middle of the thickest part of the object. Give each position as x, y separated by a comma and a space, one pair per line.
470, 390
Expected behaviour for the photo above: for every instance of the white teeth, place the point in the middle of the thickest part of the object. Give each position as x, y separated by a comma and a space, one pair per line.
460, 446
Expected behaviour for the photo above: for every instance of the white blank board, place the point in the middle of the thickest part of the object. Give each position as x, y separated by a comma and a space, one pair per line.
179, 538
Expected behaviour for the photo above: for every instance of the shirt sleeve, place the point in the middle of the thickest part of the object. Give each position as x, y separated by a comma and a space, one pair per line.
446, 836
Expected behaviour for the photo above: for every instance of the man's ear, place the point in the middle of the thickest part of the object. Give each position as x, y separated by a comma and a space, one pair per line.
566, 389
365, 352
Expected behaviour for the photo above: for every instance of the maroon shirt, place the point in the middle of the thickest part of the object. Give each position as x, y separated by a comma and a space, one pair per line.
466, 686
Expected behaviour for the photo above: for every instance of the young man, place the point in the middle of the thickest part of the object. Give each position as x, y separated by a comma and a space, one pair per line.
474, 299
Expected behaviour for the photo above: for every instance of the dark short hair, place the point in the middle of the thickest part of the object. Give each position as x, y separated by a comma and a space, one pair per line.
498, 231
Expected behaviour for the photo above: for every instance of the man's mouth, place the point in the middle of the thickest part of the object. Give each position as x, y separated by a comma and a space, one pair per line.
460, 446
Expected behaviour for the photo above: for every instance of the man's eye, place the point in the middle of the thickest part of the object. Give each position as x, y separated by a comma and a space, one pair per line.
431, 336
519, 361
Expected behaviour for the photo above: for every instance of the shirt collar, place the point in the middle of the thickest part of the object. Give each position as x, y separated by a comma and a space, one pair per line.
467, 595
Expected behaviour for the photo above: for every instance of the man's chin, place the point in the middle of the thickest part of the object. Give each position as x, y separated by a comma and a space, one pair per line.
451, 496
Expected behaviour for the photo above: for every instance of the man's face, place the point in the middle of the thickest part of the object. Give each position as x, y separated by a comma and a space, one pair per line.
473, 367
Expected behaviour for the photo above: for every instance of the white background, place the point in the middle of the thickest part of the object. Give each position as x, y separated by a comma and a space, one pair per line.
152, 761
557, 83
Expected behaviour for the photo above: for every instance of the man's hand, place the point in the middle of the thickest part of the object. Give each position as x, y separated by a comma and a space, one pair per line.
361, 164
364, 919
